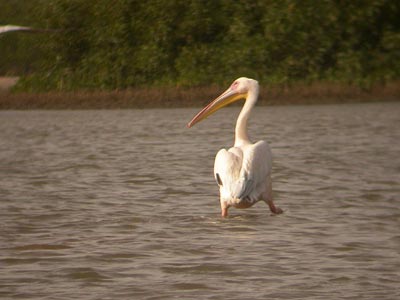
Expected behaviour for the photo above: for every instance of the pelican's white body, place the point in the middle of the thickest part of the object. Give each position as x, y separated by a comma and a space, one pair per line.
245, 174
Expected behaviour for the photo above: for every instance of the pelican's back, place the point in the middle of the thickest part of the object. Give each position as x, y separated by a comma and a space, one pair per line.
243, 172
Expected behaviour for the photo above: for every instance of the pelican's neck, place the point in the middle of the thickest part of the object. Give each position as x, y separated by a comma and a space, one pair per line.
241, 136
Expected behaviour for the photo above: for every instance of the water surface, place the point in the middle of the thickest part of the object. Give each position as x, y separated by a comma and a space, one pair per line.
123, 205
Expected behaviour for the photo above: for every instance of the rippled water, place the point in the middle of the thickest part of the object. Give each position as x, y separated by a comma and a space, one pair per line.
123, 205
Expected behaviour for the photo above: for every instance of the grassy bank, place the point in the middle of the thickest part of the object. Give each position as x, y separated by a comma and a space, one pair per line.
315, 93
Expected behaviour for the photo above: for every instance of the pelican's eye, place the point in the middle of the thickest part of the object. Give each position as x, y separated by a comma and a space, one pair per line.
234, 85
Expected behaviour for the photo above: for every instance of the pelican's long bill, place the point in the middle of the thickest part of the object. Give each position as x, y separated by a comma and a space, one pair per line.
227, 97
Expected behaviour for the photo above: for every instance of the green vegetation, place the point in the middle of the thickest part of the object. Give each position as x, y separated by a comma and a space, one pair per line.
20, 53
110, 45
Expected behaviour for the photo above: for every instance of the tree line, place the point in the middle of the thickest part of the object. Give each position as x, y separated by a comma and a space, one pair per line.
110, 44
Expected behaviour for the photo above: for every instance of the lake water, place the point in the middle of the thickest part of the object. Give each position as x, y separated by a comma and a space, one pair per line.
123, 205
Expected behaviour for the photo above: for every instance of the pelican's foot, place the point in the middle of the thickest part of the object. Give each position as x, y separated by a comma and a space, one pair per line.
277, 211
274, 209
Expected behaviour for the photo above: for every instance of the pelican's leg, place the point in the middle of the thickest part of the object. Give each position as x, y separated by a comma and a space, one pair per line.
267, 196
224, 209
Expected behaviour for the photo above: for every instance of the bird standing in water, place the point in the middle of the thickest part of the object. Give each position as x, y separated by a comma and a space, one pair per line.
243, 172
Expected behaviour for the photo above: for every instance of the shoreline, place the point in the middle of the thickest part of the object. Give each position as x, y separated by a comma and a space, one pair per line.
294, 94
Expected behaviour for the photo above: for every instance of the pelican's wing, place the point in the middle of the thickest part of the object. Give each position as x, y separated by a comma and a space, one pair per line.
256, 167
242, 172
227, 170
8, 28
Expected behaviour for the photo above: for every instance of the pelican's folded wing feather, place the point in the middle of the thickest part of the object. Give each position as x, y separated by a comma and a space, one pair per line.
242, 172
256, 167
227, 170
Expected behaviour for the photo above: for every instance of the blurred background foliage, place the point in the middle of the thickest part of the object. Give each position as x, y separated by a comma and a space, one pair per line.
109, 44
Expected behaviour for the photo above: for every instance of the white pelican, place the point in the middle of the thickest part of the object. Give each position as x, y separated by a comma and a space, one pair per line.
243, 172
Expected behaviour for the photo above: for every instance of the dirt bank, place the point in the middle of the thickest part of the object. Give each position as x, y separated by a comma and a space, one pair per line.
315, 93
6, 83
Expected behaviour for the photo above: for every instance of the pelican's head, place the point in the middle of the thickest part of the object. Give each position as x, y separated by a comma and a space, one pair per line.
238, 90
